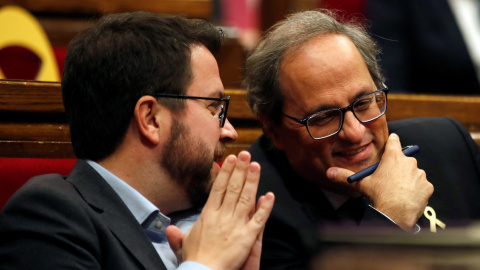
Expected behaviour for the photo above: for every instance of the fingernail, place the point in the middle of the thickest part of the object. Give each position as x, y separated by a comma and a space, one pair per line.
331, 173
230, 159
243, 156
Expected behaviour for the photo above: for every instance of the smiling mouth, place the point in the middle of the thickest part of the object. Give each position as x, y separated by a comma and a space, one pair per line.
351, 152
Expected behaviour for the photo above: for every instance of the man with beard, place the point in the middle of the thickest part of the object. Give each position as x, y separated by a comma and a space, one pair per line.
316, 87
148, 121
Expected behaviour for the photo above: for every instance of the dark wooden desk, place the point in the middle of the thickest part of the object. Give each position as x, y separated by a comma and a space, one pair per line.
457, 248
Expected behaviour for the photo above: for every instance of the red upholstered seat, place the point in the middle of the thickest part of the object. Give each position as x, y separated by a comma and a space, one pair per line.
14, 172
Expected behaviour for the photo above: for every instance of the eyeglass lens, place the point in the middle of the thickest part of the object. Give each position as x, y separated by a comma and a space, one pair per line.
365, 109
221, 115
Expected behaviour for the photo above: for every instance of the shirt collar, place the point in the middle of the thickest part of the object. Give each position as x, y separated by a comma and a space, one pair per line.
335, 199
140, 207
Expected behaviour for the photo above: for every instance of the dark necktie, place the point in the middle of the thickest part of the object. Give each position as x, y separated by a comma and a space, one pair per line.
352, 210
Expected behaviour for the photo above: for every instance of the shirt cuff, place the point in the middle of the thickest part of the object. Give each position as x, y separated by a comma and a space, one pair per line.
416, 228
190, 265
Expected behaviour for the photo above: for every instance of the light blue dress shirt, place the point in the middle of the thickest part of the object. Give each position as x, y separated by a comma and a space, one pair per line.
152, 220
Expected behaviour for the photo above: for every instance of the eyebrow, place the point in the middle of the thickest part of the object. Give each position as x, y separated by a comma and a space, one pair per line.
327, 107
217, 94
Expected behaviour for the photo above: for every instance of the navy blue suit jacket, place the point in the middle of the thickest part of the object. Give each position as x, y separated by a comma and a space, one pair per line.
448, 154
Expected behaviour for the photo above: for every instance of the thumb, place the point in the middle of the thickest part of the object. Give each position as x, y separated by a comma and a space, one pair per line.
175, 237
393, 143
338, 175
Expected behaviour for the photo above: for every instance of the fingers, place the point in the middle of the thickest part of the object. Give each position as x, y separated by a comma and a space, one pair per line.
217, 193
237, 182
229, 231
245, 205
393, 144
175, 237
234, 191
336, 174
263, 212
253, 259
260, 202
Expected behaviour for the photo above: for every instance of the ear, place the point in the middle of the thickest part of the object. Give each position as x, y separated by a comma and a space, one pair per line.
147, 116
272, 131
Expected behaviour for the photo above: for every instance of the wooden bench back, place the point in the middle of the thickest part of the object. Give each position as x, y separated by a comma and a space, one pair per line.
33, 122
191, 8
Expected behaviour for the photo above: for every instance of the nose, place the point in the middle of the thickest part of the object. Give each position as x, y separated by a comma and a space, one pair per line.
352, 130
228, 132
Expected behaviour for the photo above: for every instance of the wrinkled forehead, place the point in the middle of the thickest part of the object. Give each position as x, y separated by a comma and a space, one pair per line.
325, 71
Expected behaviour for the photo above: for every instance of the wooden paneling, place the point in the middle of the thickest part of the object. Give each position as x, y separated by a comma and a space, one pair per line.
231, 63
238, 108
32, 117
33, 123
466, 109
32, 120
36, 149
42, 132
63, 20
190, 8
30, 97
60, 30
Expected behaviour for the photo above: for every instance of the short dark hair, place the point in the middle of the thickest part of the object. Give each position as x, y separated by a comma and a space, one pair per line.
121, 58
265, 95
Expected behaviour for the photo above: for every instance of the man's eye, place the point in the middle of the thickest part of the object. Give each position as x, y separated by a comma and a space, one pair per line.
323, 119
215, 107
363, 103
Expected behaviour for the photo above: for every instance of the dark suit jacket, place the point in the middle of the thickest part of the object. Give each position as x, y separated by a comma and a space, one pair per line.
77, 223
448, 154
423, 50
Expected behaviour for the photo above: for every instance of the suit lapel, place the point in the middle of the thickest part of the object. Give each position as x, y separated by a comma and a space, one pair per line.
115, 214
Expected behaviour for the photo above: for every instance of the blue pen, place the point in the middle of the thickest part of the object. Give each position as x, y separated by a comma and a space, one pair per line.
408, 151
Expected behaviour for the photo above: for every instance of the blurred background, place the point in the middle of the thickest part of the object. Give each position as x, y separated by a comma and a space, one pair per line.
60, 21
428, 46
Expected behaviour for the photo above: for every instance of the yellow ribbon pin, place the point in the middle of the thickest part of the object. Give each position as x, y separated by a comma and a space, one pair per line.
430, 215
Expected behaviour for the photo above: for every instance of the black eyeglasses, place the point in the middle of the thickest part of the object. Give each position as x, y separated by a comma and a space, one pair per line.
221, 106
327, 123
